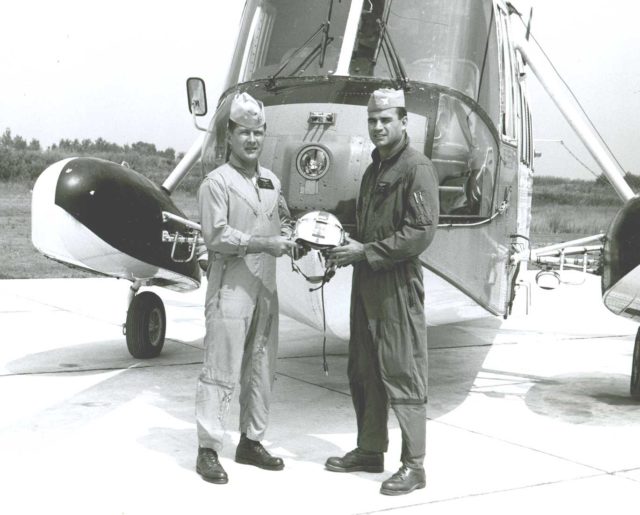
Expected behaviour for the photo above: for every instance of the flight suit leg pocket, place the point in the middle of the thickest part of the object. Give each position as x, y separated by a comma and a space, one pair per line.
396, 360
224, 342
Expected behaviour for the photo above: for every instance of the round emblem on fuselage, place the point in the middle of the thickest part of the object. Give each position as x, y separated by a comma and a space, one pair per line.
313, 162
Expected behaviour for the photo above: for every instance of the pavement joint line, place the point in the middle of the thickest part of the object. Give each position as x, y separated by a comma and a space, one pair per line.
597, 337
479, 494
555, 339
313, 384
522, 446
523, 376
104, 369
490, 344
480, 389
431, 349
182, 342
618, 474
319, 355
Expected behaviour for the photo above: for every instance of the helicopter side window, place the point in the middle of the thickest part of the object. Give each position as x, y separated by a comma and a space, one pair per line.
509, 114
464, 155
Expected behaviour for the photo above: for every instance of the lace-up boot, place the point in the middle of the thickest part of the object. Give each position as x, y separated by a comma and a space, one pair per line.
406, 480
250, 452
209, 467
357, 460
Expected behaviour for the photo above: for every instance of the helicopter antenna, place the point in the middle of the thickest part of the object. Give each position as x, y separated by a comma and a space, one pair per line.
529, 25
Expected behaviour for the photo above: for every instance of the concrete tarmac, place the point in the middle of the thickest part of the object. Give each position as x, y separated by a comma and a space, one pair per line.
526, 415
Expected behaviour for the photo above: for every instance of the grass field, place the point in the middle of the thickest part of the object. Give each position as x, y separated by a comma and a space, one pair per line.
568, 209
552, 224
18, 257
562, 210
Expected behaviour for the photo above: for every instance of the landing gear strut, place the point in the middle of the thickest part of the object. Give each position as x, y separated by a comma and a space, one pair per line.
146, 324
635, 369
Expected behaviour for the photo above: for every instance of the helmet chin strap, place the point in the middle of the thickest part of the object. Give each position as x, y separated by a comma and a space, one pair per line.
329, 272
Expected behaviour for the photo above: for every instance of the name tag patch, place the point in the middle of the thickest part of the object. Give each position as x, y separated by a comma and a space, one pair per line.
265, 183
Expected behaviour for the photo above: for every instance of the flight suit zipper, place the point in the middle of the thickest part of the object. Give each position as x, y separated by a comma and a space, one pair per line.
223, 269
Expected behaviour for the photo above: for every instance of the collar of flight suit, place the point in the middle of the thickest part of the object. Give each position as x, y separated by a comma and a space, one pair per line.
384, 168
252, 199
375, 155
235, 164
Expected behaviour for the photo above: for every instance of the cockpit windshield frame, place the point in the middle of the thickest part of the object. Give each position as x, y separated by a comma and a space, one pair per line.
451, 43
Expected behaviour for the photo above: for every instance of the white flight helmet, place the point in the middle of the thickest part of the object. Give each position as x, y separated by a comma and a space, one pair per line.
319, 230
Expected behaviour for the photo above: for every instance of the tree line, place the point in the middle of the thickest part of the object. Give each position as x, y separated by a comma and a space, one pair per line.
22, 160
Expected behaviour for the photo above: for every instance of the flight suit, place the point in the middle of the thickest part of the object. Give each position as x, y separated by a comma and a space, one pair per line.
397, 214
241, 303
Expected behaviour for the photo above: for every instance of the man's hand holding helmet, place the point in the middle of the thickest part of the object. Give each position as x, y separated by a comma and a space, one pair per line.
350, 252
300, 251
275, 245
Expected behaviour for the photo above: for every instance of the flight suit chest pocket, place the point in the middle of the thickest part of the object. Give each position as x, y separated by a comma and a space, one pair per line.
421, 210
269, 201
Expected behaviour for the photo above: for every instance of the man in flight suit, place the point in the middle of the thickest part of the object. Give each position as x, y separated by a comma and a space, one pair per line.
397, 214
243, 214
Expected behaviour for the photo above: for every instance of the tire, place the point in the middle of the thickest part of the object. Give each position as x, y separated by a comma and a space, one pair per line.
146, 325
634, 388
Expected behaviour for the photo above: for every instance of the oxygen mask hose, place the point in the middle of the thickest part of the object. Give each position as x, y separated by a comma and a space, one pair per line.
329, 272
325, 365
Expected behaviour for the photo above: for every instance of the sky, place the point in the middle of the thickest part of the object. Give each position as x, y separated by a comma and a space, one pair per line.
596, 48
117, 70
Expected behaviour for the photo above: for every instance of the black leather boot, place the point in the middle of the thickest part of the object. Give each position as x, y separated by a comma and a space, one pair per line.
209, 467
250, 452
357, 460
404, 481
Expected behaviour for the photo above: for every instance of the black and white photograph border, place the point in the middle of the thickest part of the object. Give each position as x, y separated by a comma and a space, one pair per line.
528, 410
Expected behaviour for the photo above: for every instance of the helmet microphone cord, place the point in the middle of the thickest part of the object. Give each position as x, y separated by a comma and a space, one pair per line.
322, 279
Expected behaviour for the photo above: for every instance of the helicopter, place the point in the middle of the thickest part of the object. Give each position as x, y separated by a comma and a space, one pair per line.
313, 64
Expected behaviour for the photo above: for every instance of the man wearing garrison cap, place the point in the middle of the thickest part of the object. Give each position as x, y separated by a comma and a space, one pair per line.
243, 215
396, 219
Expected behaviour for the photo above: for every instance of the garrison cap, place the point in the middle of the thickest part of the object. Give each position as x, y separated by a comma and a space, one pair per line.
247, 111
385, 99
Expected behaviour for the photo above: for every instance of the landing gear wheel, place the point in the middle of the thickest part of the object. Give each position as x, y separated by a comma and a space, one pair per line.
635, 369
146, 325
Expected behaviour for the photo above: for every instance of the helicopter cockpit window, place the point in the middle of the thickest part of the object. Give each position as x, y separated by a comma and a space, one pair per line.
289, 38
363, 59
451, 43
465, 157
